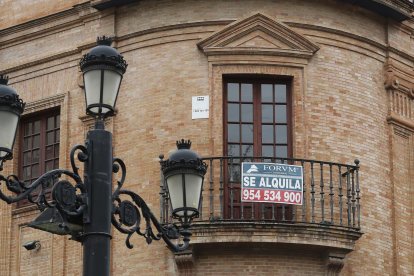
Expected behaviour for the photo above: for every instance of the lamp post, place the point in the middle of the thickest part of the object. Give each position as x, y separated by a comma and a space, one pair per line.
85, 208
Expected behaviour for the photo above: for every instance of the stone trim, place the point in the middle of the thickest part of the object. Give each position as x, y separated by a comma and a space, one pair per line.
185, 262
45, 103
334, 263
400, 88
406, 126
399, 79
258, 35
342, 239
60, 20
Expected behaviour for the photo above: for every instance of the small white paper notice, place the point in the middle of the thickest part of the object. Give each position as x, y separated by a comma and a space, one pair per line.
200, 109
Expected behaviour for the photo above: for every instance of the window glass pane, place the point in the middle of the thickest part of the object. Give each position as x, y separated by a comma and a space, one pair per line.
267, 93
247, 150
267, 113
50, 123
281, 151
58, 121
267, 134
35, 171
247, 92
27, 129
57, 136
36, 141
233, 150
280, 93
281, 134
247, 112
50, 139
233, 92
49, 152
267, 151
50, 165
27, 173
27, 143
233, 112
56, 164
36, 126
56, 150
233, 133
247, 133
35, 156
27, 158
280, 114
234, 173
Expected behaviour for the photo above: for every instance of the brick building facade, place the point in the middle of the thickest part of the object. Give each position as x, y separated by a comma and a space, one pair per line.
346, 69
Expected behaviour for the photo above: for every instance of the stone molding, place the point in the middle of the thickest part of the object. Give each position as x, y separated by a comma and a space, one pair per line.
45, 103
342, 239
34, 28
185, 262
334, 263
399, 79
258, 35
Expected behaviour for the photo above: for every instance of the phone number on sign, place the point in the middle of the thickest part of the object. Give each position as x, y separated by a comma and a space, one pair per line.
273, 196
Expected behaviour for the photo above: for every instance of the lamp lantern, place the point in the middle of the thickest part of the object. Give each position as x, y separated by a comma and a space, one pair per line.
11, 107
103, 68
184, 175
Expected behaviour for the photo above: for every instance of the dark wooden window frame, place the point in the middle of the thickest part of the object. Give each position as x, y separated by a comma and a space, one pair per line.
256, 81
42, 116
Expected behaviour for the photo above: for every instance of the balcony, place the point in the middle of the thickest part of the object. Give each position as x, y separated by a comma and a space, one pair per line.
329, 218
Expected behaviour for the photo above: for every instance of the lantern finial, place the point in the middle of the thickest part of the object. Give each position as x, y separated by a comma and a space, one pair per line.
183, 144
4, 79
104, 40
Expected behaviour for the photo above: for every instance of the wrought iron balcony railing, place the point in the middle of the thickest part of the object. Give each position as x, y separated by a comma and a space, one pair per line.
331, 195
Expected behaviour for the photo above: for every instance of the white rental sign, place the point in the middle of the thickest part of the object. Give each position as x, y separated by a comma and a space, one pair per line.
200, 107
272, 183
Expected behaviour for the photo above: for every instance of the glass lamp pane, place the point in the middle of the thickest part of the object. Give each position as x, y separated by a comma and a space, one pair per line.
92, 81
175, 189
112, 80
193, 185
8, 125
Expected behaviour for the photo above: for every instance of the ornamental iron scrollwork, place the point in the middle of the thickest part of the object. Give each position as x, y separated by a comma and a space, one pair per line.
68, 198
68, 205
130, 210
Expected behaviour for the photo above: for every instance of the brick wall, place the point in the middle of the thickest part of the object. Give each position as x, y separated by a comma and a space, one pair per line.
340, 104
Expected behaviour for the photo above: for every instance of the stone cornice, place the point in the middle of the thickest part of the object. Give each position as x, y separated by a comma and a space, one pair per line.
46, 25
258, 51
381, 46
396, 9
337, 32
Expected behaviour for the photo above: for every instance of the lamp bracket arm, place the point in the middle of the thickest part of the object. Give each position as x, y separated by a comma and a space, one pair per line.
36, 191
129, 209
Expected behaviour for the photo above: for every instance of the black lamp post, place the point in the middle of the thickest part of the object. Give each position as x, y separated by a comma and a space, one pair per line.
86, 208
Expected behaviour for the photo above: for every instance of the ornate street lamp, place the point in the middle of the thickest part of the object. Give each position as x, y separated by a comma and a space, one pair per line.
11, 106
102, 68
184, 174
86, 208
